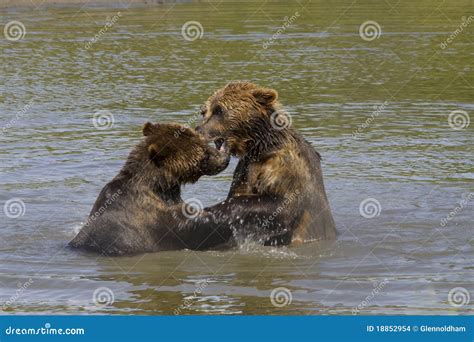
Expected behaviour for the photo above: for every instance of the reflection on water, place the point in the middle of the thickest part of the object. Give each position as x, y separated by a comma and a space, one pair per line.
376, 110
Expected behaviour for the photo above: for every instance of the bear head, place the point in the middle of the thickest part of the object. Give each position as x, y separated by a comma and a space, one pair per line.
241, 115
180, 153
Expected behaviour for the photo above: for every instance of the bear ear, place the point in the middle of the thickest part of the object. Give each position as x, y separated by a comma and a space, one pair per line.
265, 96
149, 128
158, 154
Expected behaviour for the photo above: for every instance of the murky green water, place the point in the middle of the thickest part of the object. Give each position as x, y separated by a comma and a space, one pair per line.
408, 158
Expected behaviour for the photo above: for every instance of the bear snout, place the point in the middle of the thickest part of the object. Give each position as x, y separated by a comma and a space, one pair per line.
216, 161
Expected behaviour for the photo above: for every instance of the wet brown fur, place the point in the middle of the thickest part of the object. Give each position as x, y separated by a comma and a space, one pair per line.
274, 163
147, 215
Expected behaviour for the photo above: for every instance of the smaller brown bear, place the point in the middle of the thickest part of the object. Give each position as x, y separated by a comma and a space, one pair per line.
278, 180
140, 210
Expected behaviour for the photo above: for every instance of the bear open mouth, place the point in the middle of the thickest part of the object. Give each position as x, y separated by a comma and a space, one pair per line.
220, 144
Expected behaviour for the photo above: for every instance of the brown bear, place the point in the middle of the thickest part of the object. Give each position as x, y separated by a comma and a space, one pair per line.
140, 210
278, 177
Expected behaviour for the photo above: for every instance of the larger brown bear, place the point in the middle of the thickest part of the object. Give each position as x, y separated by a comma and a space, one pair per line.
141, 209
278, 183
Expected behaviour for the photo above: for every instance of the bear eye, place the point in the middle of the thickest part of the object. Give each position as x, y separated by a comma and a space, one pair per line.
217, 110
